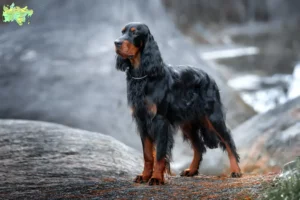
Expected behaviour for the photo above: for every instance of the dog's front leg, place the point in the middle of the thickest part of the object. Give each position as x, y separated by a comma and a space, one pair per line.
162, 131
148, 150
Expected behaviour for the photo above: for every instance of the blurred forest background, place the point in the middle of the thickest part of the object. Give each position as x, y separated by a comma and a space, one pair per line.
60, 67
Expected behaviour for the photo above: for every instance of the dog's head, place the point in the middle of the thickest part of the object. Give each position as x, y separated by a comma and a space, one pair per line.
133, 37
136, 48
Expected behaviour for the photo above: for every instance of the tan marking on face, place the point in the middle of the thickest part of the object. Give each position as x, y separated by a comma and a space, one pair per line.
128, 49
132, 29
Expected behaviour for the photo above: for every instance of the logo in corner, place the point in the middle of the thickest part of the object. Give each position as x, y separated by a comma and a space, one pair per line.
12, 13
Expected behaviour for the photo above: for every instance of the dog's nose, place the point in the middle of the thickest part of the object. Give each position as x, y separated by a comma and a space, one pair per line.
118, 43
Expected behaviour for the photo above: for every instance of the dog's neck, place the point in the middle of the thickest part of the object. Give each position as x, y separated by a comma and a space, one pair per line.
136, 61
134, 71
137, 72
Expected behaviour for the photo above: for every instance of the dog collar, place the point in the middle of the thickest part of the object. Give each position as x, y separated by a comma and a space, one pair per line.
133, 77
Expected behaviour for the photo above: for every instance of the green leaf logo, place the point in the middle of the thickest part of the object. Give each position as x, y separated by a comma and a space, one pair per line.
12, 13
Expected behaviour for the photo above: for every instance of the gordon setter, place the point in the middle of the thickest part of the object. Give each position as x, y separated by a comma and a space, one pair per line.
164, 99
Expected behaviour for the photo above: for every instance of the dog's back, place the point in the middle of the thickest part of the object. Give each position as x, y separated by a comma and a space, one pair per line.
192, 95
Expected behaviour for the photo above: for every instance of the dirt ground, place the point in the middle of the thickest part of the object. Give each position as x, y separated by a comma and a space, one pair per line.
199, 187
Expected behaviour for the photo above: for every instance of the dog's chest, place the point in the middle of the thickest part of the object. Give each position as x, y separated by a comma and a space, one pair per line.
136, 92
139, 100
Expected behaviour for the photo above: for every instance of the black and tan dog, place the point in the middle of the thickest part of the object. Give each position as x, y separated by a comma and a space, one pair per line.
163, 99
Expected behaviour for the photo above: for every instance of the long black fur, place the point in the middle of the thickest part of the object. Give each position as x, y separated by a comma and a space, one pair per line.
182, 94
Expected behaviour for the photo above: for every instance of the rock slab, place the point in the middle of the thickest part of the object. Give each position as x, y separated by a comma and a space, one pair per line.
36, 157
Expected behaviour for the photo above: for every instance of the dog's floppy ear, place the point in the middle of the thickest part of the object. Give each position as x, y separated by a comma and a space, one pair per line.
151, 61
121, 63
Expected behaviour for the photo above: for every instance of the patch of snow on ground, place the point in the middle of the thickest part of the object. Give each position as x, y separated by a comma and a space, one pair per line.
265, 93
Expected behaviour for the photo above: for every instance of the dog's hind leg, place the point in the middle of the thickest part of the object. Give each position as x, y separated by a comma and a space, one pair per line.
217, 125
162, 131
191, 132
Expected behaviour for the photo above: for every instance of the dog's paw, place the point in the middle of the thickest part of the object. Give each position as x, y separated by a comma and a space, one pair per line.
141, 179
156, 181
189, 172
236, 174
